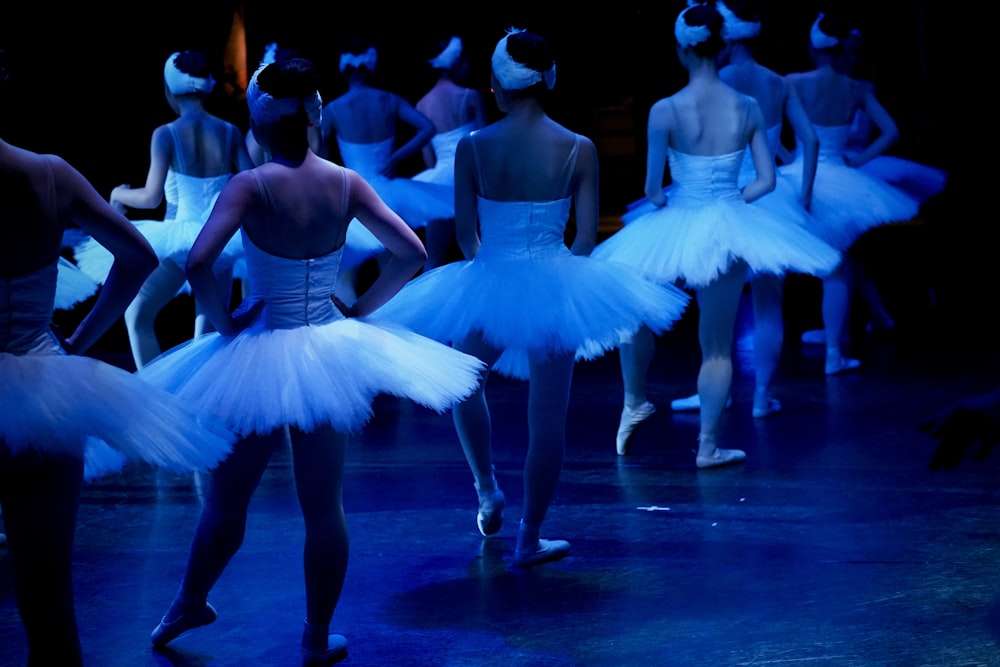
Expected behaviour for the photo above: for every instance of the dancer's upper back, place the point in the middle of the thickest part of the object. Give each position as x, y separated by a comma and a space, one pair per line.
764, 85
363, 115
710, 120
829, 98
201, 145
32, 219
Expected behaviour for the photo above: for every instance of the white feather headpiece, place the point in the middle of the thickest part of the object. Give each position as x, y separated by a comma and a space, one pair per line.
181, 83
512, 75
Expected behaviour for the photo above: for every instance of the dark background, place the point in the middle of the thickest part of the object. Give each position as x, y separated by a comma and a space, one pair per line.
86, 82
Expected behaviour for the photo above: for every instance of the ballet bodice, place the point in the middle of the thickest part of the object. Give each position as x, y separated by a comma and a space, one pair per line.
700, 178
192, 197
522, 229
366, 159
832, 142
445, 143
747, 171
295, 292
26, 304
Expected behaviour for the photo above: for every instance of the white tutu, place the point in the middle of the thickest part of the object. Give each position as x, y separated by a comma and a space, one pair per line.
526, 293
706, 226
72, 285
325, 369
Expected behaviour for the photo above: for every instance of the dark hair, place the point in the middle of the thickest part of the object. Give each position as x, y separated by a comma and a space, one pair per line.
533, 52
194, 63
709, 17
837, 27
292, 77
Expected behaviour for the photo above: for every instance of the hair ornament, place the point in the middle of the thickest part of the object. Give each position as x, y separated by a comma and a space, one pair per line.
449, 56
818, 38
265, 109
270, 53
689, 35
512, 75
182, 83
367, 59
735, 29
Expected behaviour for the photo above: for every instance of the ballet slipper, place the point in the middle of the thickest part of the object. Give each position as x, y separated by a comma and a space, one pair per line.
692, 403
490, 516
814, 337
542, 551
630, 419
773, 407
841, 365
320, 649
720, 457
166, 632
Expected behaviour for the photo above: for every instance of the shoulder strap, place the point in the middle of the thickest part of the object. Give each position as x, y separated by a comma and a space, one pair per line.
50, 189
262, 190
345, 190
178, 153
569, 167
480, 176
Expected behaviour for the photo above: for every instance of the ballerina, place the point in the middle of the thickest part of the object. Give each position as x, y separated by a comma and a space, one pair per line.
191, 159
293, 332
708, 235
456, 110
522, 301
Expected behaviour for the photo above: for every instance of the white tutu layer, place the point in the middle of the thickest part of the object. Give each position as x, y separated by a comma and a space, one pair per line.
80, 406
920, 181
307, 376
555, 304
694, 244
360, 245
846, 202
444, 145
72, 285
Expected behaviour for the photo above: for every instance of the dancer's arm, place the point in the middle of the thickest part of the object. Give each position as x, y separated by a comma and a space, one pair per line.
134, 258
805, 136
151, 194
657, 135
763, 161
408, 253
585, 201
466, 211
888, 131
423, 133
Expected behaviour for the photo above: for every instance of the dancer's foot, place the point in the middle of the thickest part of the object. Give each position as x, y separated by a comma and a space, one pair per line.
814, 337
692, 403
335, 651
167, 631
766, 408
630, 419
719, 458
543, 551
838, 365
490, 517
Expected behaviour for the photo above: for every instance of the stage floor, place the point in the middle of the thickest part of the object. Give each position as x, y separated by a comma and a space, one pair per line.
834, 544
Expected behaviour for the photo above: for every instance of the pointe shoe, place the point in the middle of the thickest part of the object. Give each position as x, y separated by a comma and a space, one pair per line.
490, 517
773, 407
692, 403
167, 632
335, 651
841, 365
543, 552
814, 337
721, 457
630, 419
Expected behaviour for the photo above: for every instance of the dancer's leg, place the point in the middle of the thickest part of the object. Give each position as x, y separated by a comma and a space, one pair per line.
223, 520
635, 357
318, 458
768, 338
717, 303
140, 316
836, 307
475, 432
863, 283
40, 496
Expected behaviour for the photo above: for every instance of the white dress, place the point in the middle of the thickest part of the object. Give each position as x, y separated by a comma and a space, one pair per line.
55, 403
706, 226
444, 145
417, 203
302, 363
527, 294
189, 202
846, 201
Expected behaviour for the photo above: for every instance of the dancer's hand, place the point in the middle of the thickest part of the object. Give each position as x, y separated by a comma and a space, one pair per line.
245, 315
967, 424
344, 309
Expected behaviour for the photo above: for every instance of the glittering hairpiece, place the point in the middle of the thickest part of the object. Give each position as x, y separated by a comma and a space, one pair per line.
265, 109
366, 59
181, 83
818, 38
689, 35
270, 53
734, 28
512, 75
449, 56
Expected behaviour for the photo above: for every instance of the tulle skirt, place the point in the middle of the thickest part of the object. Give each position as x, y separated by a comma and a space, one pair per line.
847, 202
693, 244
263, 378
920, 181
83, 407
551, 305
72, 285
